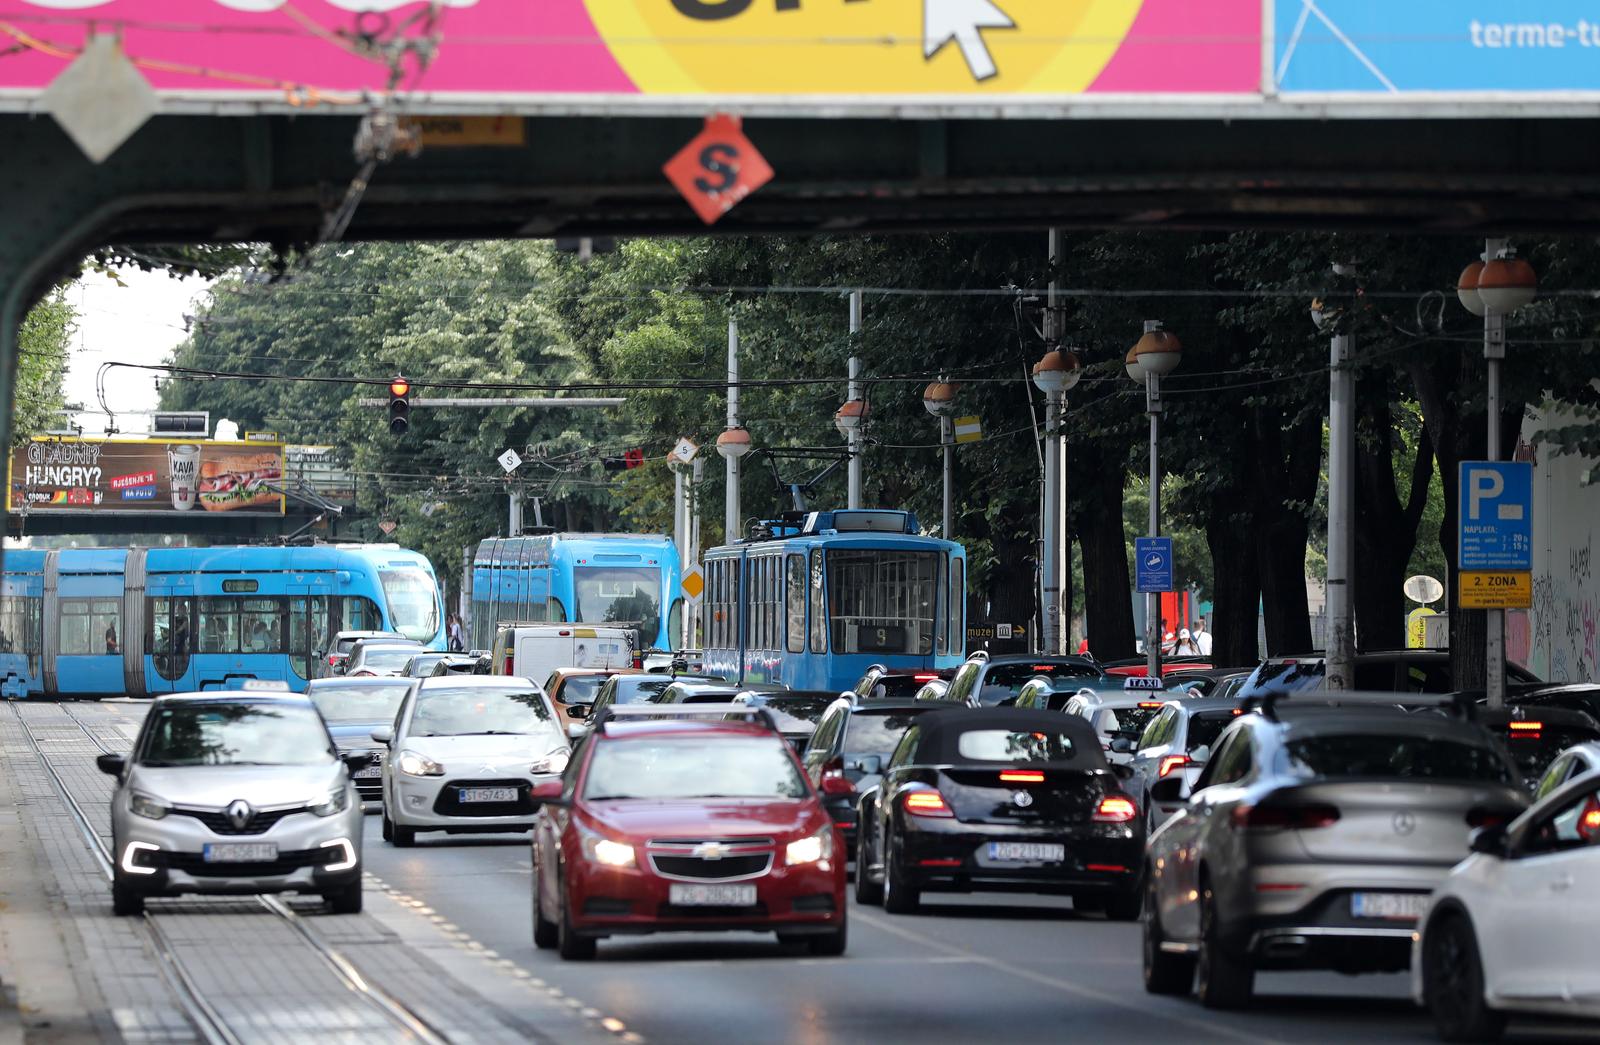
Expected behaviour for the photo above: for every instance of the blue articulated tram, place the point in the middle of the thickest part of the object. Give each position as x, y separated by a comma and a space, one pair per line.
140, 621
812, 601
622, 579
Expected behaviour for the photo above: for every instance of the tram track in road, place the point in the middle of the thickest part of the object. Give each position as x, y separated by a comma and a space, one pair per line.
209, 1024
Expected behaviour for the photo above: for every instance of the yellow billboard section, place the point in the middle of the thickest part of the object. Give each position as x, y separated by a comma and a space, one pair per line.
863, 46
1496, 589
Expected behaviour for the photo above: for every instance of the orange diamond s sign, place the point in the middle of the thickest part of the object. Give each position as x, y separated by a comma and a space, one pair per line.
719, 168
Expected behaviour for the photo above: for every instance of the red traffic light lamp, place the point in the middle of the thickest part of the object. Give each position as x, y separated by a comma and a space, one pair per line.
399, 388
399, 405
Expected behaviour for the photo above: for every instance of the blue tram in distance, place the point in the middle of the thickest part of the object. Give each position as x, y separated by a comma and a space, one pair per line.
619, 579
813, 601
141, 621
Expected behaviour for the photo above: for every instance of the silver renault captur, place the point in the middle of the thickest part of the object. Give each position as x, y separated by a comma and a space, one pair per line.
235, 792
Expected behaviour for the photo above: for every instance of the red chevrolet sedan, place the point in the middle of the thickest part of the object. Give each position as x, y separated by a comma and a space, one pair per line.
694, 818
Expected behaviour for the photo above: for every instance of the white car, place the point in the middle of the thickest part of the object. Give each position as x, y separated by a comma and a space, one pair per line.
1512, 929
464, 756
1120, 714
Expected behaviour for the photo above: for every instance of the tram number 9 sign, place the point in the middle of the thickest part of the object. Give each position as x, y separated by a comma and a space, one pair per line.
881, 639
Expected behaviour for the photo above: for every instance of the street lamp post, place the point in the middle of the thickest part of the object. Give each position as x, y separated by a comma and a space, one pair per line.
732, 444
1054, 375
1157, 354
1499, 284
939, 399
851, 421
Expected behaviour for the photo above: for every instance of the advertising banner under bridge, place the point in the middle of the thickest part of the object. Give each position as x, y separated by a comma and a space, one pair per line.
146, 475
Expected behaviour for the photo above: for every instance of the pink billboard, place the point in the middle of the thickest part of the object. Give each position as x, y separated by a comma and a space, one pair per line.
520, 54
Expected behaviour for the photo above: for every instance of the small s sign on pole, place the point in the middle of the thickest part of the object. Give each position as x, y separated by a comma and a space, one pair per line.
718, 168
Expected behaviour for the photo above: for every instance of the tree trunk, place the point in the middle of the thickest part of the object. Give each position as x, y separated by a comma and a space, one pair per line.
1236, 595
1107, 593
1289, 460
1385, 528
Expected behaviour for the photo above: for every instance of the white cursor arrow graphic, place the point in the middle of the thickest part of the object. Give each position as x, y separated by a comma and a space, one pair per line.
963, 22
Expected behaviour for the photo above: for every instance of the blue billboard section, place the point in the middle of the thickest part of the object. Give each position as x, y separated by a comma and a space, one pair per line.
1387, 47
1496, 515
1153, 564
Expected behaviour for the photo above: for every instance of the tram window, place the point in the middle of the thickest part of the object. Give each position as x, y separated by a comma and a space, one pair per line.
259, 628
819, 622
360, 614
882, 601
796, 603
22, 627
219, 626
91, 626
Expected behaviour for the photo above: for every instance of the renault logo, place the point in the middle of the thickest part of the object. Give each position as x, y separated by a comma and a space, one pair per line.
240, 813
709, 851
1404, 823
1022, 800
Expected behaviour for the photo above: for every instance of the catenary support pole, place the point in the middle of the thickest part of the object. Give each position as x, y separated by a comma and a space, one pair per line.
731, 515
1340, 643
1050, 623
1494, 350
947, 436
1152, 612
854, 486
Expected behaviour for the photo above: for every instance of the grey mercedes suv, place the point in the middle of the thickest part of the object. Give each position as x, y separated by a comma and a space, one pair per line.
1313, 838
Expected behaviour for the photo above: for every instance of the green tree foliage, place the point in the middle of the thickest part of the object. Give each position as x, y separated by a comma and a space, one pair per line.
46, 337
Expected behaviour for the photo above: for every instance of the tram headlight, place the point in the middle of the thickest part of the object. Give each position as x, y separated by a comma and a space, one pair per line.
148, 807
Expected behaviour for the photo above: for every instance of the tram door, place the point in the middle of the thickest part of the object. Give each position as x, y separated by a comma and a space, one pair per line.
170, 622
310, 632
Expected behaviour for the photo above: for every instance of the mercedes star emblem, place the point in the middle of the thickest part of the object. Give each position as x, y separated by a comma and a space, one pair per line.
1404, 822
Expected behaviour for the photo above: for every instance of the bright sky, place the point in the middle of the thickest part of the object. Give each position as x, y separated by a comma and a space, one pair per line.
137, 323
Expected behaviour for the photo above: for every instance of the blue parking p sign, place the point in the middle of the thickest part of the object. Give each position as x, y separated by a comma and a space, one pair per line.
1153, 564
1496, 516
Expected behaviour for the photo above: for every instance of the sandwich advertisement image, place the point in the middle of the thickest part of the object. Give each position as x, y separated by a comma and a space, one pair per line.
146, 475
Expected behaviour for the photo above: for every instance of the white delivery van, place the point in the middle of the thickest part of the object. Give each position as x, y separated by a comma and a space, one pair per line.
533, 651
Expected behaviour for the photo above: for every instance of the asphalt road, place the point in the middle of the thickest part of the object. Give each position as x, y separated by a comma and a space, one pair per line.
982, 968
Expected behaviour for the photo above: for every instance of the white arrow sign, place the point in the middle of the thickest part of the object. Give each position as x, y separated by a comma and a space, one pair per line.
963, 22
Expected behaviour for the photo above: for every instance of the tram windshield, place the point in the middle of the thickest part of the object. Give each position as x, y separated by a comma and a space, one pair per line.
413, 603
619, 595
882, 601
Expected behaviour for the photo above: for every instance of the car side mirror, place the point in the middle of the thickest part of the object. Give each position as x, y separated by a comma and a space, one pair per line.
579, 711
548, 793
577, 730
383, 735
1490, 841
1200, 755
1172, 790
1122, 746
112, 765
870, 765
355, 761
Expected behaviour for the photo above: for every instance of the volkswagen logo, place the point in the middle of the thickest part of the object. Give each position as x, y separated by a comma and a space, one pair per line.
709, 851
1022, 800
239, 813
1404, 822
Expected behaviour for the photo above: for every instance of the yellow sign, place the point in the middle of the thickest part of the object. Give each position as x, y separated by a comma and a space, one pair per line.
968, 430
460, 132
745, 47
1417, 627
1496, 590
694, 582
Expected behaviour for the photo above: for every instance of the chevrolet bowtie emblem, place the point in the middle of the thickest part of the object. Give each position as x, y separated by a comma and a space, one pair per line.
709, 851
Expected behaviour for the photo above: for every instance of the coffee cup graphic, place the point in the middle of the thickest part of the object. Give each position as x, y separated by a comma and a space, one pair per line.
183, 472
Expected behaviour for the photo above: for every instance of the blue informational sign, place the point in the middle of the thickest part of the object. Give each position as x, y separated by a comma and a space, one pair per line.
1402, 46
1153, 564
1496, 516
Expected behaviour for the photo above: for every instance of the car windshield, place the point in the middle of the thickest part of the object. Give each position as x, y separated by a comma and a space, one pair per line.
697, 767
618, 595
238, 734
876, 733
413, 600
636, 690
1404, 757
1204, 729
386, 658
1129, 722
1004, 681
581, 689
451, 711
375, 703
422, 665
795, 713
342, 643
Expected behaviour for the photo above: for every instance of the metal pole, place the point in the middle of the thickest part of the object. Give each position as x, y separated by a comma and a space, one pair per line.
730, 518
947, 436
1340, 642
514, 514
696, 474
1152, 611
680, 515
1049, 562
1494, 350
853, 499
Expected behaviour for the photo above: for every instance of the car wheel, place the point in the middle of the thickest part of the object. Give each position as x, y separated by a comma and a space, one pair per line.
1221, 982
868, 892
388, 827
1452, 983
403, 837
1164, 972
346, 900
832, 944
546, 934
125, 900
571, 946
898, 897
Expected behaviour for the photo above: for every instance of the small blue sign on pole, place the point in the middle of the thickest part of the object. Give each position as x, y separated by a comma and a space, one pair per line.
1153, 564
1496, 516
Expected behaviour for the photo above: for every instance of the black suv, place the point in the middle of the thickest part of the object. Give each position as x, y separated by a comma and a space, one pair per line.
986, 682
851, 745
880, 681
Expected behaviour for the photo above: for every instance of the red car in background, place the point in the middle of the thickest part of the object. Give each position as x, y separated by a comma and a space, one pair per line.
686, 818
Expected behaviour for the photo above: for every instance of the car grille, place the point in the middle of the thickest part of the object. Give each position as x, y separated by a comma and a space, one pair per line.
217, 820
286, 863
711, 859
449, 801
668, 910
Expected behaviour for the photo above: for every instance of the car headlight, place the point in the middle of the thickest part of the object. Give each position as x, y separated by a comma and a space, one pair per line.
144, 805
810, 849
414, 764
606, 852
338, 801
551, 765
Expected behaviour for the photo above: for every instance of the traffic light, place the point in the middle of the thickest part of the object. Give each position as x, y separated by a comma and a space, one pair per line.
399, 406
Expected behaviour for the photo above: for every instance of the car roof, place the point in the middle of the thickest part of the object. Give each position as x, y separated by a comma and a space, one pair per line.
475, 681
1201, 705
1035, 658
941, 729
1552, 715
1314, 720
233, 696
1591, 748
358, 681
368, 635
705, 728
568, 673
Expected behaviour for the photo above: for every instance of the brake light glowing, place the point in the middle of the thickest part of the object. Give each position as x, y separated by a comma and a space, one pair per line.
1106, 868
1284, 817
1115, 809
1044, 667
926, 678
1526, 727
1150, 703
939, 862
1171, 762
1021, 776
1589, 821
927, 803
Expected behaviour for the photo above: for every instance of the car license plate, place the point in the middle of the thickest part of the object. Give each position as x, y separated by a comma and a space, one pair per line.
712, 895
1406, 907
1027, 852
487, 794
369, 772
240, 852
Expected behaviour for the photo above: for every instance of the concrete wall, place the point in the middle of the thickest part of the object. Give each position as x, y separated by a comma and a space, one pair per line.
1559, 633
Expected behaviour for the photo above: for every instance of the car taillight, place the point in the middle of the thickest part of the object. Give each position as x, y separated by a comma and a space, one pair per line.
1589, 821
833, 781
1285, 817
332, 660
925, 678
1115, 809
1481, 817
1021, 776
638, 661
1525, 730
927, 803
1148, 704
508, 663
1171, 762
